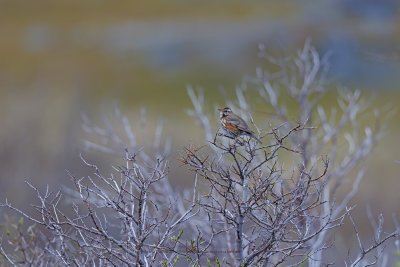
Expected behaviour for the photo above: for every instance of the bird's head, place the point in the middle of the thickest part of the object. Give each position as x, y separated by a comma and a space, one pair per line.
224, 111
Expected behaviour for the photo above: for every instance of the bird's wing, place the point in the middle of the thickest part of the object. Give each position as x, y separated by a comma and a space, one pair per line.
241, 124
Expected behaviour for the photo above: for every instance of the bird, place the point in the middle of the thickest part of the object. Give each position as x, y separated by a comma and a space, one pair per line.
234, 125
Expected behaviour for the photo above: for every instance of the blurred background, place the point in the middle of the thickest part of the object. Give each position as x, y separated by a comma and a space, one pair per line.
62, 59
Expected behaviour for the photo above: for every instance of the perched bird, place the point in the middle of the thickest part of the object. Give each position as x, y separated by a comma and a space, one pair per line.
234, 125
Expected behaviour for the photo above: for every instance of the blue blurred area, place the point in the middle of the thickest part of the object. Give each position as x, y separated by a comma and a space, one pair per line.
350, 63
371, 9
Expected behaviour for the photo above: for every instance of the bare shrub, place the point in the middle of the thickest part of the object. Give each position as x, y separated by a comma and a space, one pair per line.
265, 204
277, 202
131, 217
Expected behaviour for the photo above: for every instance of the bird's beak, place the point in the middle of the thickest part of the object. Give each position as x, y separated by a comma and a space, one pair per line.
220, 109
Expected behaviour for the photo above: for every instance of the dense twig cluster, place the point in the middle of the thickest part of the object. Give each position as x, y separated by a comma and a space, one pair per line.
254, 200
125, 218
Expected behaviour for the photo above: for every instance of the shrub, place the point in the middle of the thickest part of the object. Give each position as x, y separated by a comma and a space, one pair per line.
264, 204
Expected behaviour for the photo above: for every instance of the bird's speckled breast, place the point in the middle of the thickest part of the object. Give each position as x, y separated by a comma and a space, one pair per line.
229, 127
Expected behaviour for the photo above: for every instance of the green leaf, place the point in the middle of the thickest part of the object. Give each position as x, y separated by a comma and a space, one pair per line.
180, 234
